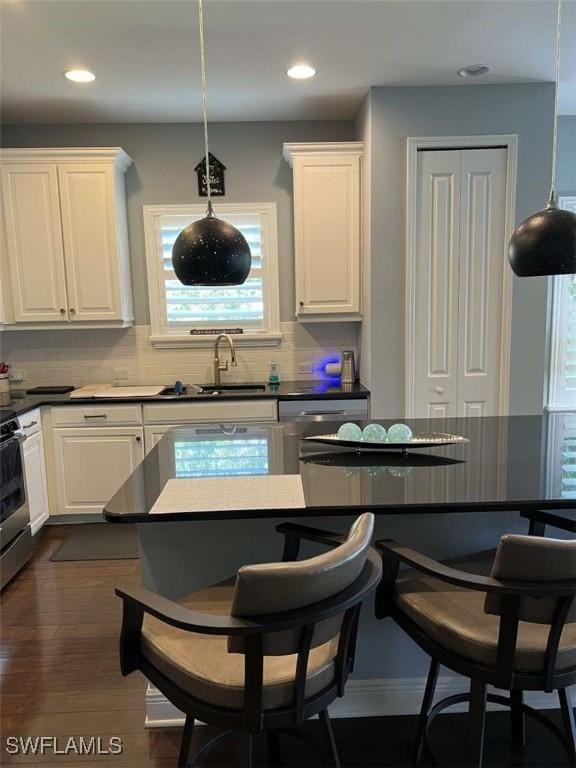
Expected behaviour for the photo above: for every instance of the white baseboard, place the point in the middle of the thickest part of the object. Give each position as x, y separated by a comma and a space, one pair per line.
364, 698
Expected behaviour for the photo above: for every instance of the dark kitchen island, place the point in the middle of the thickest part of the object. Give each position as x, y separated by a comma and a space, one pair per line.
447, 502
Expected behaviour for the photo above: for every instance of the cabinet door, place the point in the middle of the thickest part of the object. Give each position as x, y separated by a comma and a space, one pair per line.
327, 234
87, 198
91, 464
34, 242
35, 469
153, 435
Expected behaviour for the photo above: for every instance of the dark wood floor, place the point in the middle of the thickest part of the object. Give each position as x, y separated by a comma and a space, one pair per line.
59, 677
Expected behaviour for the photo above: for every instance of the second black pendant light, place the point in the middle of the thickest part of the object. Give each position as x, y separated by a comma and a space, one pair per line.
210, 251
545, 243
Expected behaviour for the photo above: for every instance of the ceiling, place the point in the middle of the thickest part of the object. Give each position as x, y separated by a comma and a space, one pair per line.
145, 55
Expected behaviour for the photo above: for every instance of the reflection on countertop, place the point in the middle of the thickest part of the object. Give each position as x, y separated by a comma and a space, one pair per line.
510, 463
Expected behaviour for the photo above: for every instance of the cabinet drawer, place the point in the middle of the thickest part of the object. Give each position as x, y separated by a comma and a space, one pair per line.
96, 415
220, 412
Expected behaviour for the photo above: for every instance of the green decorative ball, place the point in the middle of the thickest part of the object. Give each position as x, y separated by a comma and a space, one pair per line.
349, 431
399, 433
374, 433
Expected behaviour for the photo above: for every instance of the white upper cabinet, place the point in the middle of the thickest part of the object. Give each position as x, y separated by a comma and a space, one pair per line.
327, 212
64, 215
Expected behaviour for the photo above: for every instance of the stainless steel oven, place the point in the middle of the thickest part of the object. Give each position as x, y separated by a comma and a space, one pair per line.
15, 533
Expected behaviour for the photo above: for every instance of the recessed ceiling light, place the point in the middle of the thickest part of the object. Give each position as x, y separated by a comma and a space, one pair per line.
301, 72
80, 76
476, 70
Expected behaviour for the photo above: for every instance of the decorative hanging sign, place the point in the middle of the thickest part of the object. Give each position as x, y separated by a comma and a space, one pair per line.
215, 331
217, 169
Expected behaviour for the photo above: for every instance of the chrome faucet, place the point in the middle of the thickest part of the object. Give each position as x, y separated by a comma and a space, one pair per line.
218, 366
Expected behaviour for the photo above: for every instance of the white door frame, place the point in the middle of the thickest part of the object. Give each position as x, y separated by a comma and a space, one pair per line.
413, 144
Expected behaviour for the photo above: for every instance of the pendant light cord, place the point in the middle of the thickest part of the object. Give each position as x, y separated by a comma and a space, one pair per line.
204, 101
556, 94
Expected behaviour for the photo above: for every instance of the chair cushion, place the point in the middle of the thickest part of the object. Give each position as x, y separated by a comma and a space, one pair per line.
454, 617
202, 666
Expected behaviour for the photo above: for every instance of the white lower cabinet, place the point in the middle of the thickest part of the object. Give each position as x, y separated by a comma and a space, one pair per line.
91, 463
36, 487
154, 434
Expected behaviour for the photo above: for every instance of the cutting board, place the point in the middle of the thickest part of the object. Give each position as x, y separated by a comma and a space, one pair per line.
105, 391
129, 391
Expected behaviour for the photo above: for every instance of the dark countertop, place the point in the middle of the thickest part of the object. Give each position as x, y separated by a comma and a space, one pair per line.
286, 390
510, 464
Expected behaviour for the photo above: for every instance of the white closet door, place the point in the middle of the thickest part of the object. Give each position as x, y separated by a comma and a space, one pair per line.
436, 289
461, 209
482, 253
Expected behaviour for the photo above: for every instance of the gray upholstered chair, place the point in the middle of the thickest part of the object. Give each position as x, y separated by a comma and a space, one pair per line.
265, 651
514, 629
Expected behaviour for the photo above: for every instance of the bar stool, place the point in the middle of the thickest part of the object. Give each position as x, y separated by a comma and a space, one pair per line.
264, 652
514, 630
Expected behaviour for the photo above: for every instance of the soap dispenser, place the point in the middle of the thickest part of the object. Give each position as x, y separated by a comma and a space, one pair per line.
273, 376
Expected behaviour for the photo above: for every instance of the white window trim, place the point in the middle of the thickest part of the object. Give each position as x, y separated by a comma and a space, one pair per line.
161, 335
557, 399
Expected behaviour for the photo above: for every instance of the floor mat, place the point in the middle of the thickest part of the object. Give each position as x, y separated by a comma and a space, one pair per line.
100, 541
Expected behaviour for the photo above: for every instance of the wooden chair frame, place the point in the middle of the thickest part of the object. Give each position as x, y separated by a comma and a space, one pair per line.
502, 675
252, 718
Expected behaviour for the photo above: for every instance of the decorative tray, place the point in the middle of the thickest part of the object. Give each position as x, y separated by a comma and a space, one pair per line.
432, 440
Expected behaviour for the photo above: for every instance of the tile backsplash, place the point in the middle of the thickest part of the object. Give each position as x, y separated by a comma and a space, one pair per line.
79, 357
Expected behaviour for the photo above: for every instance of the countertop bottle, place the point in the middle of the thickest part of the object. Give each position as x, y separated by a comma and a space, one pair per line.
273, 376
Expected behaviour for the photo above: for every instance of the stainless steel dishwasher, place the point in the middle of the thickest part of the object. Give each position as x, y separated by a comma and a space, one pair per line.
324, 410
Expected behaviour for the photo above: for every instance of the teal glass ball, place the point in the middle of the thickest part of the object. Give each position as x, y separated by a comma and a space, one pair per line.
349, 431
374, 433
399, 433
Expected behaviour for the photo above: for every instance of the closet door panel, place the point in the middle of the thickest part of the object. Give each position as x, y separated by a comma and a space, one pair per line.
482, 257
437, 278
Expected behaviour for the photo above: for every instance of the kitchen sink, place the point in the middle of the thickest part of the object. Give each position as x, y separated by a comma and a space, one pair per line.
211, 389
183, 390
233, 389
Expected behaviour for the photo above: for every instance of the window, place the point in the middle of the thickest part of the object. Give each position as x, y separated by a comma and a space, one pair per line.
562, 376
561, 468
176, 309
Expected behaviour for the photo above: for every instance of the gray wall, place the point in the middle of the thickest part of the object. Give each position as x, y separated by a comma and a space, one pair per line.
396, 113
163, 172
566, 156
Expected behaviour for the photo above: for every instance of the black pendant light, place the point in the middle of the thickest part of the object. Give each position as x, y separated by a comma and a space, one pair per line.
210, 251
545, 243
